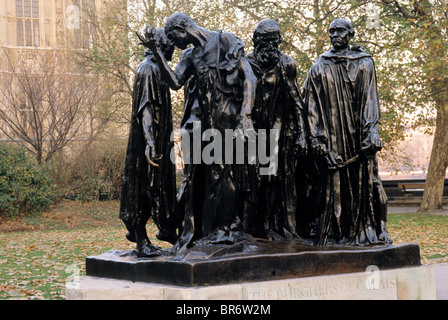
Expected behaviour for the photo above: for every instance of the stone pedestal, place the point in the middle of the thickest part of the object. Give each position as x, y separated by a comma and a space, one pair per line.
259, 270
413, 283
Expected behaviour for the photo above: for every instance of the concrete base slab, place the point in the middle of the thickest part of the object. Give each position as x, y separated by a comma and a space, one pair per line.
413, 283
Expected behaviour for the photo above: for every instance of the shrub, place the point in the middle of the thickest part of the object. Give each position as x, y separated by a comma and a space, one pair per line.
92, 174
24, 185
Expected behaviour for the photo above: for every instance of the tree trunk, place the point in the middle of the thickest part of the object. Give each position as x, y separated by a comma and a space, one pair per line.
435, 179
39, 156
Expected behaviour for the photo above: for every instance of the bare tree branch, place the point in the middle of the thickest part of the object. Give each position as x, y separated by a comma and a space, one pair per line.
44, 105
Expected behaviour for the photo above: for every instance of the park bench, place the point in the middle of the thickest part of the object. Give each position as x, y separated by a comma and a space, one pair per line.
412, 187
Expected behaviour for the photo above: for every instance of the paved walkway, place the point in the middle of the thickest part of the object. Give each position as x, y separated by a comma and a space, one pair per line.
440, 270
441, 273
393, 210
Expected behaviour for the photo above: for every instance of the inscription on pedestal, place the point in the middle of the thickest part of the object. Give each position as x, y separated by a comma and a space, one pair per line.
383, 286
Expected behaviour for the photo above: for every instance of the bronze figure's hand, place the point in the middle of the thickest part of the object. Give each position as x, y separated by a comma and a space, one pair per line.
318, 148
371, 145
151, 155
246, 125
301, 147
148, 38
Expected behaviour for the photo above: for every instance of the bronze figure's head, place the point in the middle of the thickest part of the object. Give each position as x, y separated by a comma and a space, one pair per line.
341, 32
267, 39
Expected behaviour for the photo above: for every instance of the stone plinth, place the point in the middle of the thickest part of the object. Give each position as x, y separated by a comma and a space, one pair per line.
413, 283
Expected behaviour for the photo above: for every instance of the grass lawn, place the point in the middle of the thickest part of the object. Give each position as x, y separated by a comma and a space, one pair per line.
39, 255
429, 231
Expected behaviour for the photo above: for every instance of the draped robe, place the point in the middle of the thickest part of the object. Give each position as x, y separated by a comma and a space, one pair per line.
277, 106
340, 94
209, 197
149, 191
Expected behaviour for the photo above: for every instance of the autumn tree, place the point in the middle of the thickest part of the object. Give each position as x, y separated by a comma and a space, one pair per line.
417, 33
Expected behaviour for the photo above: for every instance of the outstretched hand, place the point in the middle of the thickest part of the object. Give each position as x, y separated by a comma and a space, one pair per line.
148, 39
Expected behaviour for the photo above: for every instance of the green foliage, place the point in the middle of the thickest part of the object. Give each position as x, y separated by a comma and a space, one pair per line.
24, 185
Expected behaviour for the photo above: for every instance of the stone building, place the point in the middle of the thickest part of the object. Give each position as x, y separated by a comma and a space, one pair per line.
37, 35
44, 24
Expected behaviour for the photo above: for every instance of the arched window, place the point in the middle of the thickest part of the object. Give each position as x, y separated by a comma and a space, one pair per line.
27, 13
28, 35
36, 33
20, 33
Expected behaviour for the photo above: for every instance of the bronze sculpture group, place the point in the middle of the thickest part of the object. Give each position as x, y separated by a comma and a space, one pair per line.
324, 190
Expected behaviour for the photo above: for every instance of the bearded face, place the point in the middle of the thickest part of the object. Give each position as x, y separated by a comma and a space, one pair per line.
266, 48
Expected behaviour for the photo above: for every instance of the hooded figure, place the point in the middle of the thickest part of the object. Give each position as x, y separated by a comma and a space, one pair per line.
341, 98
149, 185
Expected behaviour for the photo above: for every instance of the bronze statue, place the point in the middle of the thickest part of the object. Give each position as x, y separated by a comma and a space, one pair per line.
340, 95
326, 142
219, 89
234, 222
149, 188
278, 106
